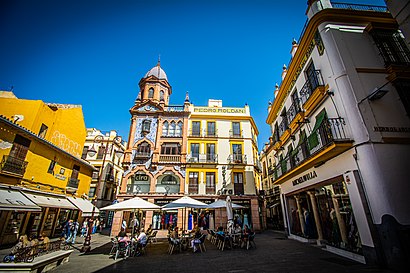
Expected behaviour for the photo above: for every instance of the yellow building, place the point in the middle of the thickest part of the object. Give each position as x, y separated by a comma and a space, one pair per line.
40, 149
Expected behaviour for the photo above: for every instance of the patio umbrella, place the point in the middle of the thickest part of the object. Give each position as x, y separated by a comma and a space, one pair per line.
229, 214
222, 204
183, 203
133, 204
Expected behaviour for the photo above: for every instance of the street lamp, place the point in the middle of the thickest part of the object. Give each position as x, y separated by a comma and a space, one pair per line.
91, 152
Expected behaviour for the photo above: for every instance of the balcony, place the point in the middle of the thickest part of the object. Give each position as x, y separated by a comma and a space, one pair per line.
136, 188
13, 166
73, 183
169, 158
210, 133
237, 159
294, 115
312, 92
258, 165
195, 133
210, 190
202, 158
326, 142
193, 189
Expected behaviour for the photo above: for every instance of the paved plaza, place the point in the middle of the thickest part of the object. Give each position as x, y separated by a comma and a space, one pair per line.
274, 253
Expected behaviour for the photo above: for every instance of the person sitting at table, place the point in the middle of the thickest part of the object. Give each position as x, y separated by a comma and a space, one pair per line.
237, 229
175, 236
220, 231
123, 237
141, 242
196, 239
245, 235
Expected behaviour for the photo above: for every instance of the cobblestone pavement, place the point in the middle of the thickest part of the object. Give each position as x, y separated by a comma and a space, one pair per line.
274, 253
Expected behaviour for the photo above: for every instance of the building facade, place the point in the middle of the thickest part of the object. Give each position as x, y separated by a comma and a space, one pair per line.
41, 167
340, 134
179, 150
104, 151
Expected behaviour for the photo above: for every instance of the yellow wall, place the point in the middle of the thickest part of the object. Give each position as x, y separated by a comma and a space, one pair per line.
66, 130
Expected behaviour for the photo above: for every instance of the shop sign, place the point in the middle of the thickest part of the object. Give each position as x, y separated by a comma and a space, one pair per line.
161, 202
141, 177
60, 177
240, 202
220, 110
169, 182
392, 129
304, 178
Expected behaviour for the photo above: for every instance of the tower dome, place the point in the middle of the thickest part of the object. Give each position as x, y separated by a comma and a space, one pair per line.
158, 72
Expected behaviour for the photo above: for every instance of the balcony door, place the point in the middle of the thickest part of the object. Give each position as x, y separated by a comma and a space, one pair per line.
311, 77
238, 183
236, 129
210, 152
237, 153
195, 151
196, 128
210, 130
15, 161
193, 183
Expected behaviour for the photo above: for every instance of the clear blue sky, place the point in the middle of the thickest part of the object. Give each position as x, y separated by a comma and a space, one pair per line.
94, 53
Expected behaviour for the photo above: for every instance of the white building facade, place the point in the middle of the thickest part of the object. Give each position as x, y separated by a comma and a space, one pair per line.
341, 128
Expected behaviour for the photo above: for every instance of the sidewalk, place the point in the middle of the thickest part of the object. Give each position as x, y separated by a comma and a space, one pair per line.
274, 253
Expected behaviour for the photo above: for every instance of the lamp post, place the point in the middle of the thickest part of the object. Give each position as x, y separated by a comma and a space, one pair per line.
91, 152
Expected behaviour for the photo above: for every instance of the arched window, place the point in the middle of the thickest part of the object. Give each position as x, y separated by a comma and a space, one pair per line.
178, 131
143, 149
146, 126
151, 93
172, 128
161, 95
165, 128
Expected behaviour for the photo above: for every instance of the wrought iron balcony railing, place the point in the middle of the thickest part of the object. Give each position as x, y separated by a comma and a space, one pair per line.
237, 159
283, 126
310, 86
293, 110
13, 165
202, 158
236, 133
330, 131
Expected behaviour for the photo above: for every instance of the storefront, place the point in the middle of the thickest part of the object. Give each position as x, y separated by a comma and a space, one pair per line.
320, 207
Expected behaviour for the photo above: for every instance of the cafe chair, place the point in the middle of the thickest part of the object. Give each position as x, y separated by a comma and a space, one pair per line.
122, 249
201, 245
153, 237
251, 241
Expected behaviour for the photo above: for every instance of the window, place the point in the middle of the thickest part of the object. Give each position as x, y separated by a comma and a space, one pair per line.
165, 126
196, 128
238, 183
91, 193
151, 93
101, 151
20, 147
171, 149
76, 171
392, 46
178, 131
85, 152
73, 181
237, 153
210, 183
210, 152
236, 129
161, 95
210, 130
43, 131
51, 166
195, 151
172, 129
143, 149
193, 182
311, 77
146, 126
96, 174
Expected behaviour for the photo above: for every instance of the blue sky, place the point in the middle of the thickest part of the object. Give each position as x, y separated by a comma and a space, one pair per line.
94, 53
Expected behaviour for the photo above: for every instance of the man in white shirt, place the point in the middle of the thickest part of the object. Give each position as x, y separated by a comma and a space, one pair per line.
141, 241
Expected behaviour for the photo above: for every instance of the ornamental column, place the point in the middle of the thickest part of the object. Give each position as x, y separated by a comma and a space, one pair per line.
316, 215
341, 223
301, 217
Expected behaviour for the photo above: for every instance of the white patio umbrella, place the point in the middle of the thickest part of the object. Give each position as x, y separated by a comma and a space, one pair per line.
183, 203
222, 204
134, 204
229, 214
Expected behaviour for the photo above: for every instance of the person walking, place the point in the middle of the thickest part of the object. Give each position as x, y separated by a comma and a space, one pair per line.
73, 232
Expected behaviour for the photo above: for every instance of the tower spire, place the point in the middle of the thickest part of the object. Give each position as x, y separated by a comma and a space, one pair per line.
159, 60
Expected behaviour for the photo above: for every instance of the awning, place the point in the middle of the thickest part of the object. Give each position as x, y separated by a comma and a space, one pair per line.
49, 201
11, 199
85, 206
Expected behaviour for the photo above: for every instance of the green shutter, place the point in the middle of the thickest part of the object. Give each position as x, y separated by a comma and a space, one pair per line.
319, 119
313, 139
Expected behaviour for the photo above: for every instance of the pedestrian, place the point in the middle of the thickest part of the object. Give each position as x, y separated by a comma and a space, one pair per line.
84, 228
101, 225
124, 225
67, 229
73, 232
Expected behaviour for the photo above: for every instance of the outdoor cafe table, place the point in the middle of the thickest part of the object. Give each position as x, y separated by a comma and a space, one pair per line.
185, 240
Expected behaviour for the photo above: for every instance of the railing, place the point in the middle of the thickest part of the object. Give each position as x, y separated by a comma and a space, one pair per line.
170, 158
283, 126
293, 110
13, 165
176, 108
310, 86
202, 133
73, 183
194, 133
210, 133
202, 158
329, 131
141, 155
237, 159
338, 5
193, 189
210, 190
138, 188
27, 254
258, 165
236, 133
